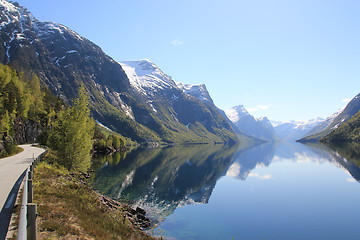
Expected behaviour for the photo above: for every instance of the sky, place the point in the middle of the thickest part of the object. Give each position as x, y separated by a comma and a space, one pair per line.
284, 59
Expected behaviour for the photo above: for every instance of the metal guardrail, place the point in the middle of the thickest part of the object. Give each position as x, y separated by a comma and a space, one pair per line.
27, 220
23, 210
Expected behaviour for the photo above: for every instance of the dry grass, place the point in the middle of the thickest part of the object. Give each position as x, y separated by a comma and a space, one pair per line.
68, 209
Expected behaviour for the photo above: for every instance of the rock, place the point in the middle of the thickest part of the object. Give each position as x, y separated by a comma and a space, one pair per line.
141, 211
27, 131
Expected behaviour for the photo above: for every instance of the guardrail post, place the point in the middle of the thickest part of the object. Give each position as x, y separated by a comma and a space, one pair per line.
32, 167
30, 191
30, 175
31, 220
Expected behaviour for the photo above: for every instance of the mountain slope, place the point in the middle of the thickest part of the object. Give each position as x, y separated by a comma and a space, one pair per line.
334, 121
349, 131
177, 110
64, 60
323, 125
247, 124
294, 130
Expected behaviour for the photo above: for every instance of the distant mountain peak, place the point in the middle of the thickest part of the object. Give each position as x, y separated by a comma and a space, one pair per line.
235, 113
295, 129
260, 128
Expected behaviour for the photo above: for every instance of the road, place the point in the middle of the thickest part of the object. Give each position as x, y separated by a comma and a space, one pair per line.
12, 167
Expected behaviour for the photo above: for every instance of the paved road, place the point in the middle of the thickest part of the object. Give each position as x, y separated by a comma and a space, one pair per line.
12, 167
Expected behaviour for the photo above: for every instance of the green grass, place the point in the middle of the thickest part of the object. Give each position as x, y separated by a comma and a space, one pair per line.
69, 209
17, 150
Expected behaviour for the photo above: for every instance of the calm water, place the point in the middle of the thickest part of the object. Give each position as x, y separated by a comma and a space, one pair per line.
270, 191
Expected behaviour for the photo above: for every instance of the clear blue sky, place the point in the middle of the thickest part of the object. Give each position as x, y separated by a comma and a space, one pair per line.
284, 59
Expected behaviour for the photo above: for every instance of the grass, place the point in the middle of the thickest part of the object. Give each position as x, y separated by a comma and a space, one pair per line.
69, 209
16, 150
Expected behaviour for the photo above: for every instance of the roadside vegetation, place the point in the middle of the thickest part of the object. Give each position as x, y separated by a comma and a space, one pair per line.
12, 152
22, 102
69, 209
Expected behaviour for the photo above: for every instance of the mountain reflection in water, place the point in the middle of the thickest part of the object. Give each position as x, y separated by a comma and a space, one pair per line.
162, 179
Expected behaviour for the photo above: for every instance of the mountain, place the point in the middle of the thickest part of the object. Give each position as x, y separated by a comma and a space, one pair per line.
323, 125
346, 132
334, 121
200, 92
258, 128
294, 130
185, 114
155, 111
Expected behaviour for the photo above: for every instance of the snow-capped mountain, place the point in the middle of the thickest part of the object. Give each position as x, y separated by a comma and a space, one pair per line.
324, 124
196, 90
260, 128
294, 130
236, 113
187, 104
146, 77
134, 98
334, 121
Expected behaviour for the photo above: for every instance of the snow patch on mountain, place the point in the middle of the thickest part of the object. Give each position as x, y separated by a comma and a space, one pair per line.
259, 128
11, 13
146, 77
196, 90
296, 129
8, 6
324, 124
235, 113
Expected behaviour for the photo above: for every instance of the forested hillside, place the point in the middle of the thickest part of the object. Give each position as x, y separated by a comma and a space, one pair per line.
348, 131
25, 108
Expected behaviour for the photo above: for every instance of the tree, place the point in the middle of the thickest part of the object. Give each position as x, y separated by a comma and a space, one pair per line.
5, 124
116, 142
71, 136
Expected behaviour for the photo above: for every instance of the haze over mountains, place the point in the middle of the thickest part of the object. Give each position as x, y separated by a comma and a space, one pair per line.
305, 130
136, 98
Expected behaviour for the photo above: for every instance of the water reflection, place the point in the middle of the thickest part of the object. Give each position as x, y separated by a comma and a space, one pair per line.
162, 179
346, 155
245, 161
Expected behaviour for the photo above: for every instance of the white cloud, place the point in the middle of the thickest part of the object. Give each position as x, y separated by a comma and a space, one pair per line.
177, 42
259, 107
346, 100
263, 107
234, 170
350, 180
261, 177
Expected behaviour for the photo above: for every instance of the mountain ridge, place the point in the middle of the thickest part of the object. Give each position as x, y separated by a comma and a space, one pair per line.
334, 121
64, 61
260, 128
294, 130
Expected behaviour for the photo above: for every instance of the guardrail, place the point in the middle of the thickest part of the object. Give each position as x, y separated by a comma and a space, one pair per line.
27, 220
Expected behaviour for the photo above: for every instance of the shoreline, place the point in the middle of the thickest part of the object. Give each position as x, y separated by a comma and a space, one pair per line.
68, 208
